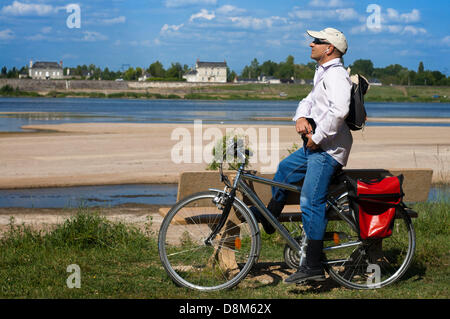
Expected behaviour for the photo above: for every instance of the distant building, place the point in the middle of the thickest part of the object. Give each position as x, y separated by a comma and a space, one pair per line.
260, 79
46, 70
144, 77
375, 82
245, 81
207, 72
269, 79
23, 74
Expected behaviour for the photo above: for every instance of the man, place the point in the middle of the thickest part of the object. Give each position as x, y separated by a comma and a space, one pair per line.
327, 143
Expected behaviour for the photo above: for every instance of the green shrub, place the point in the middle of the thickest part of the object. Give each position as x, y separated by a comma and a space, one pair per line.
83, 230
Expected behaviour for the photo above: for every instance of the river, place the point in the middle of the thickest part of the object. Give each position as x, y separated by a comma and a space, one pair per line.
33, 111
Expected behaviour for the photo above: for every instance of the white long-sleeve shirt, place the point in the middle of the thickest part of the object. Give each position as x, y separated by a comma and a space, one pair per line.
328, 105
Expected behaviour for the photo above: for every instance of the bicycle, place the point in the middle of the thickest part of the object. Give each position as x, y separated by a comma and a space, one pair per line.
210, 240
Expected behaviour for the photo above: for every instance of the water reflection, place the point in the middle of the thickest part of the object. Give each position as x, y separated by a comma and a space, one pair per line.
105, 196
112, 195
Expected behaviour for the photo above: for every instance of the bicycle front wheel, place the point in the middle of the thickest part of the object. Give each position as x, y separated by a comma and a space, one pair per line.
189, 261
369, 264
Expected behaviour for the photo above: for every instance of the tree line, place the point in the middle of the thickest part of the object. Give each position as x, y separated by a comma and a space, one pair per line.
391, 74
156, 70
284, 70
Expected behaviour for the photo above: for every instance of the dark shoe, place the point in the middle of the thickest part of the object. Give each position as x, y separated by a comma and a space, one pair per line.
313, 269
275, 208
304, 273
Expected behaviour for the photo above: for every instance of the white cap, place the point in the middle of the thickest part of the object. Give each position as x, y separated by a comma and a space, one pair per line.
335, 37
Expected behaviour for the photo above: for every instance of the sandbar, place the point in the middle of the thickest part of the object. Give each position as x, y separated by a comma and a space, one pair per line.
59, 155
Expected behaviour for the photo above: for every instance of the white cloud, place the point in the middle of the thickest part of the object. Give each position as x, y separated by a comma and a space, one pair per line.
6, 34
170, 28
347, 14
28, 9
203, 14
230, 10
36, 37
344, 14
325, 3
116, 20
446, 40
256, 23
185, 3
413, 30
413, 16
394, 28
141, 43
92, 36
46, 30
393, 15
390, 28
409, 52
273, 43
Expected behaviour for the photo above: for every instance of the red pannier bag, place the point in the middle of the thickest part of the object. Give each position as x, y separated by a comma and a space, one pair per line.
375, 203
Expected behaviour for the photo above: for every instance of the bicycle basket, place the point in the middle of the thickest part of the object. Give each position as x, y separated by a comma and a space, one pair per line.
374, 203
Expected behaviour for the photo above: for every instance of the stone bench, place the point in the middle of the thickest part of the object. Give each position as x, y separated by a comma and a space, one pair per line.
416, 186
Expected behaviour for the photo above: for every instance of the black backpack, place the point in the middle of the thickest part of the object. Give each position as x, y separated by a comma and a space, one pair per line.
357, 115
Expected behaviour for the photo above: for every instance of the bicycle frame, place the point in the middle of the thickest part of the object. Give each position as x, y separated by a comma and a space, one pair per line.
239, 183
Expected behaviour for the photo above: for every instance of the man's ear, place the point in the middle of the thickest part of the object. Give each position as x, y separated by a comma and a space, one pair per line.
330, 49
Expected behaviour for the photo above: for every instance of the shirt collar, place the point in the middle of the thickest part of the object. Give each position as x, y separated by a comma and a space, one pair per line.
329, 63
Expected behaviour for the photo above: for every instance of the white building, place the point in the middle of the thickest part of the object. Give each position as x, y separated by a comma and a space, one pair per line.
46, 70
208, 72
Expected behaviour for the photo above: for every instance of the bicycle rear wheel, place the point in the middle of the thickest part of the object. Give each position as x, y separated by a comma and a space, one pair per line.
368, 264
192, 263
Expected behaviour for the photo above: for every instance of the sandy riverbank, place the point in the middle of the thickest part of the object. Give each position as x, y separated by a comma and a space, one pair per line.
106, 153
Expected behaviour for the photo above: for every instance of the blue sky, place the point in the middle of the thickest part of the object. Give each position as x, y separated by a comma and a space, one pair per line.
114, 33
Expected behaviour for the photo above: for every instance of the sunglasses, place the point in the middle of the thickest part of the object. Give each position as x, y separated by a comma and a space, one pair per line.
318, 41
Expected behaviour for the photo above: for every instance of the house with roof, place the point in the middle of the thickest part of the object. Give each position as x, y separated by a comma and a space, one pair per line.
207, 72
46, 70
374, 81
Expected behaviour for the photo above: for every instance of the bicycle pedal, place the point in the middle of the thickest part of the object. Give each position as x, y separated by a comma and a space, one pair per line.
310, 280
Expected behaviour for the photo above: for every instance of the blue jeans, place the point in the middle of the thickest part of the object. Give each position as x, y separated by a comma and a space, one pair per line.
316, 168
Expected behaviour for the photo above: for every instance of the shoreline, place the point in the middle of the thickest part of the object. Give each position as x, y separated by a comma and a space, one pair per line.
139, 95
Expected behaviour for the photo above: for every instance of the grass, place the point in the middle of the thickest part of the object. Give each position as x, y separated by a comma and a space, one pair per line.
119, 261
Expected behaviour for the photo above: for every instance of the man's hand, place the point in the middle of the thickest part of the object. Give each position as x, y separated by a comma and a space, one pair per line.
302, 126
311, 145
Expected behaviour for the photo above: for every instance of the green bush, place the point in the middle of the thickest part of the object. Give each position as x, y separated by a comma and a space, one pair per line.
84, 230
6, 89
